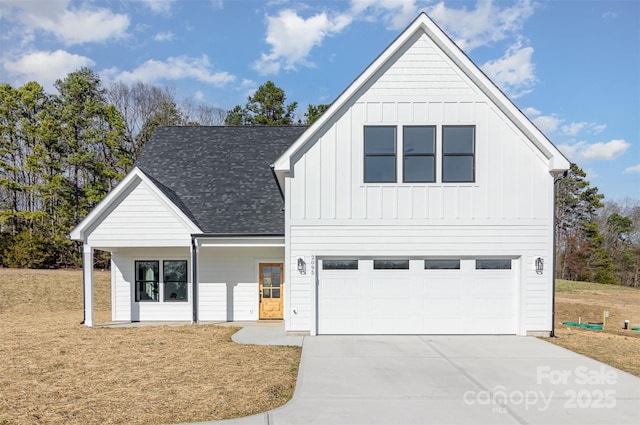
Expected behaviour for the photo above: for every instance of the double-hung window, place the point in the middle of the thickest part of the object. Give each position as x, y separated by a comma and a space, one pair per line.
419, 147
458, 154
147, 281
175, 280
380, 154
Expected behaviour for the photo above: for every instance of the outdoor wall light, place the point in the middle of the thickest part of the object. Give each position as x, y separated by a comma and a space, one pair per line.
302, 266
539, 265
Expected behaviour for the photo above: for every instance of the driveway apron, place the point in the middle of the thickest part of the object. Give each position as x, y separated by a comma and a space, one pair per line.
452, 380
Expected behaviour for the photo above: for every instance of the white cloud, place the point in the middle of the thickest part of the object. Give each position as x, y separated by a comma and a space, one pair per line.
609, 14
574, 128
69, 25
397, 13
547, 123
164, 36
292, 37
531, 112
486, 24
632, 170
159, 6
513, 72
174, 68
45, 67
583, 151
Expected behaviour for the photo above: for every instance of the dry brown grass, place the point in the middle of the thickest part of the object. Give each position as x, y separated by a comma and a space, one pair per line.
613, 345
55, 371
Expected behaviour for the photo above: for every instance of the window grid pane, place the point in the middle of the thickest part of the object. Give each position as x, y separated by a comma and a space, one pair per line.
442, 264
458, 154
419, 169
493, 264
380, 154
419, 146
391, 264
339, 264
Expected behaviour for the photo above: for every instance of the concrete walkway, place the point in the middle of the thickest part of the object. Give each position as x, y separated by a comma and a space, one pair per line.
450, 380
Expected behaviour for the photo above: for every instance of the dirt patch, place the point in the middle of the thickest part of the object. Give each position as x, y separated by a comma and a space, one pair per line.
613, 345
54, 370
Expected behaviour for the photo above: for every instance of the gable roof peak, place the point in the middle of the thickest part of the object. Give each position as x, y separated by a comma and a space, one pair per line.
423, 23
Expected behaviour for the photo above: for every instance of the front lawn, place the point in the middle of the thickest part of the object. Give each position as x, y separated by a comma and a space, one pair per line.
55, 371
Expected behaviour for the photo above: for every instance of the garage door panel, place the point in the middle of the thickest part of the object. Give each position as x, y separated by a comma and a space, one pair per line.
442, 325
435, 285
393, 307
442, 307
390, 287
417, 301
396, 325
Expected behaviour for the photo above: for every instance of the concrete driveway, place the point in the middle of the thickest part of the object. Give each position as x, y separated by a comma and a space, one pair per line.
452, 380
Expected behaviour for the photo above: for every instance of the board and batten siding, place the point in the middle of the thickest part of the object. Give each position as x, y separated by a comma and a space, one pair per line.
228, 281
138, 219
507, 211
123, 271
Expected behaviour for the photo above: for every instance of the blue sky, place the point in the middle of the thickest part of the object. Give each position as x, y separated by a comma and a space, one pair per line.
572, 66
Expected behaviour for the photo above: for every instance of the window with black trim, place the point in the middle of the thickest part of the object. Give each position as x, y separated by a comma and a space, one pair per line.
174, 273
458, 154
170, 286
419, 148
391, 264
442, 264
339, 264
147, 286
379, 154
493, 264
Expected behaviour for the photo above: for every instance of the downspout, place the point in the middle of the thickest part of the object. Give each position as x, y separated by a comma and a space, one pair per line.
553, 265
194, 277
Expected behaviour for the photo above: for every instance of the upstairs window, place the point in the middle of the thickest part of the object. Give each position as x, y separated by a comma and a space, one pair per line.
419, 147
379, 154
458, 154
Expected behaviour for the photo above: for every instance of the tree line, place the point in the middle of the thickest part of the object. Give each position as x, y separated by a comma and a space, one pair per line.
61, 153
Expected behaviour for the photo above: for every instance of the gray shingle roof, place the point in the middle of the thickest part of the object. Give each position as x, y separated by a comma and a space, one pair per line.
220, 177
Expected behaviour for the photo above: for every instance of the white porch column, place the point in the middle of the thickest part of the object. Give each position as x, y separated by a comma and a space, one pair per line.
87, 279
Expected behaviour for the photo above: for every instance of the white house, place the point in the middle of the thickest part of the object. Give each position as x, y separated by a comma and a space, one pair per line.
420, 202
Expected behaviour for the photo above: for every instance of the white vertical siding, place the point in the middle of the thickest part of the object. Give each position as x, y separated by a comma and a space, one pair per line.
511, 178
228, 281
506, 211
140, 218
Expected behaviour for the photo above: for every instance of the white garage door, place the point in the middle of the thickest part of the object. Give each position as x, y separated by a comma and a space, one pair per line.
432, 296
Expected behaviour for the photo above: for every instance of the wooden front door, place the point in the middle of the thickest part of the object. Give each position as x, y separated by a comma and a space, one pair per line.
271, 291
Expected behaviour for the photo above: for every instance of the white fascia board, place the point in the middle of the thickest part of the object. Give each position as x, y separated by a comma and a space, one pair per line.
240, 241
133, 177
557, 161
